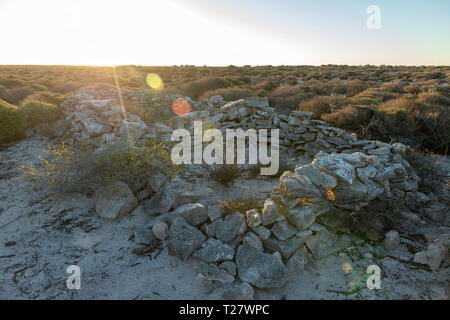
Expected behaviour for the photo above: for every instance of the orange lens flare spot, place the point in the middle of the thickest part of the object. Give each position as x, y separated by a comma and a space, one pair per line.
181, 106
154, 81
330, 194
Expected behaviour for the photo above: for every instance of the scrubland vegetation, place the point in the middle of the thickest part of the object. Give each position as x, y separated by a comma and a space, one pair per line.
410, 104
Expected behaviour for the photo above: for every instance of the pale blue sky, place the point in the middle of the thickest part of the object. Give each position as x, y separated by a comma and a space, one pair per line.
223, 32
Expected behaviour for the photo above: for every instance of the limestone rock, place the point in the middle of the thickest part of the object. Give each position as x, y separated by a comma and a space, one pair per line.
243, 291
325, 243
391, 240
214, 251
317, 177
336, 167
433, 256
270, 213
253, 218
114, 201
253, 241
304, 216
286, 248
160, 230
183, 239
160, 203
283, 230
193, 213
260, 269
231, 226
211, 272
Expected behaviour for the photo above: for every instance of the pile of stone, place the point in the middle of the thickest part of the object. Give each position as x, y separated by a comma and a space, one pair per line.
252, 112
98, 120
102, 120
258, 247
261, 247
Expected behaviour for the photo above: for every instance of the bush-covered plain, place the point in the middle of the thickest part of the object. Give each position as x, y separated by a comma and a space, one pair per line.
407, 103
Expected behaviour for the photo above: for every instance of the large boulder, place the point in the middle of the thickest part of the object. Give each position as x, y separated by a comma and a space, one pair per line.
184, 239
260, 269
114, 201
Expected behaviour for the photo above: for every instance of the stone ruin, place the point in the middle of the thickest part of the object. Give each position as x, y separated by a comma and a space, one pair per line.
295, 224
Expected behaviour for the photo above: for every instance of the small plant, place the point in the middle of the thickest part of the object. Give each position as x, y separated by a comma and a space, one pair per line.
240, 205
255, 169
12, 125
223, 173
37, 112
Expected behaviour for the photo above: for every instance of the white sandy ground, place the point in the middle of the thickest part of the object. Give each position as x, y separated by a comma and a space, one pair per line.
42, 234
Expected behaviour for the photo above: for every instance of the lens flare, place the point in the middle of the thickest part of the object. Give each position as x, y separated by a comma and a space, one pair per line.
154, 81
181, 106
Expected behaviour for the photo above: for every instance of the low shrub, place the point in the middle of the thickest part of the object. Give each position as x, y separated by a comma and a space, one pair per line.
12, 125
16, 95
287, 97
223, 173
53, 98
399, 122
240, 205
195, 89
255, 169
70, 169
38, 87
429, 168
228, 94
434, 129
323, 104
37, 112
434, 98
350, 117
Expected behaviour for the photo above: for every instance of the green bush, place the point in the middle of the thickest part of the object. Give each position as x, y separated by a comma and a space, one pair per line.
37, 112
12, 125
16, 95
68, 169
38, 87
53, 98
240, 205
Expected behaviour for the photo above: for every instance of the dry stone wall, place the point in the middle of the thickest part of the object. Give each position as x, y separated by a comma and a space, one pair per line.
258, 247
